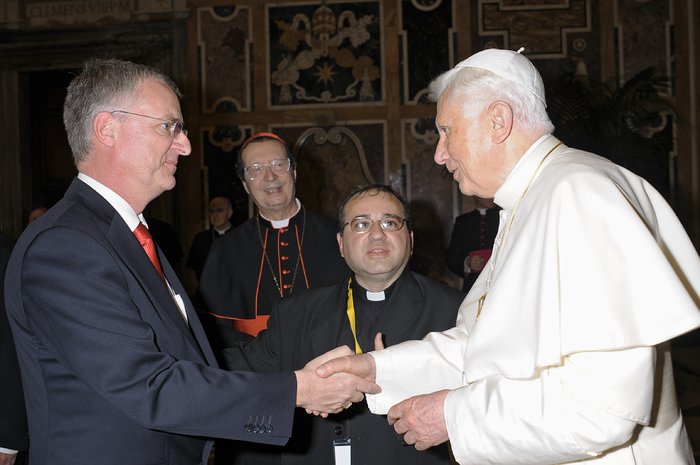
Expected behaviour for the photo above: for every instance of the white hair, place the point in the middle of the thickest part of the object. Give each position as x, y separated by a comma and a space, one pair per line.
479, 87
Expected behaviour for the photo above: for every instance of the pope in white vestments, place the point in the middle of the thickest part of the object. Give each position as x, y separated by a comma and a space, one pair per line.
560, 353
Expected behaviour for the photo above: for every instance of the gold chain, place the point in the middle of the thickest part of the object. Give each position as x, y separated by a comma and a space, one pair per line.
482, 299
267, 258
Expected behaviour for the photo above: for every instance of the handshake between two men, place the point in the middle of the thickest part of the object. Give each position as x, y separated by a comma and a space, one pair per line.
332, 382
322, 389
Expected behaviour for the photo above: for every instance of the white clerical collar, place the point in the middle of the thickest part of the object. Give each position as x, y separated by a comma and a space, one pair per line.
375, 296
277, 224
221, 232
521, 174
116, 201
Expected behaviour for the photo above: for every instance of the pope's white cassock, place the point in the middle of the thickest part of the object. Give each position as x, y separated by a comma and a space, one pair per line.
568, 361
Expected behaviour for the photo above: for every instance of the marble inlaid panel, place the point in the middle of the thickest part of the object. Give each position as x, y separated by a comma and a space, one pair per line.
644, 33
325, 54
430, 193
333, 160
426, 45
559, 36
542, 27
224, 39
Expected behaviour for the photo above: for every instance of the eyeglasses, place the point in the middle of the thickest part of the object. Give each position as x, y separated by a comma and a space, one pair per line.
390, 223
256, 170
173, 126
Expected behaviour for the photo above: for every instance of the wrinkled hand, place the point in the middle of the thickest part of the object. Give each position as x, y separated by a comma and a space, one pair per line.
333, 393
421, 420
7, 459
359, 365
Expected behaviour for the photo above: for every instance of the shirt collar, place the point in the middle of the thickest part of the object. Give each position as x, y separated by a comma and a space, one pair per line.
122, 207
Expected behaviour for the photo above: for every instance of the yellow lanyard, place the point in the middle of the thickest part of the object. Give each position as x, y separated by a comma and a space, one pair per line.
351, 318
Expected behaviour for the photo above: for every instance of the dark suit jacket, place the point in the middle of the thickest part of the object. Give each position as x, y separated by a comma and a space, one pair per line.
468, 234
112, 374
13, 417
310, 323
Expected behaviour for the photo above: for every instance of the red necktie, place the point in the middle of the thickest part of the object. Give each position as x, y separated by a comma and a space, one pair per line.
149, 246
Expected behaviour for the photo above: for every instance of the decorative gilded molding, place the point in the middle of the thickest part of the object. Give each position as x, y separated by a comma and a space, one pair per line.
227, 138
334, 135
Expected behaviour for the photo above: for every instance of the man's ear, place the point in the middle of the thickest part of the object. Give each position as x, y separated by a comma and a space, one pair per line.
339, 238
104, 129
501, 120
245, 186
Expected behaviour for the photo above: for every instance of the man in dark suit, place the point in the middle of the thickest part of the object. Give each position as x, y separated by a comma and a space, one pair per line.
115, 365
381, 296
472, 241
13, 417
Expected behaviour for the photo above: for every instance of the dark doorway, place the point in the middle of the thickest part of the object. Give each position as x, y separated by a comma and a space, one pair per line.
52, 166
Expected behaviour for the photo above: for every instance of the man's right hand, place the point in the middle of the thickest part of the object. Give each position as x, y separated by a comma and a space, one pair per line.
332, 393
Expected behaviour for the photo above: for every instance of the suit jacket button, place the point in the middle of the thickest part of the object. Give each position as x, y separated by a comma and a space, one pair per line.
248, 428
338, 430
269, 428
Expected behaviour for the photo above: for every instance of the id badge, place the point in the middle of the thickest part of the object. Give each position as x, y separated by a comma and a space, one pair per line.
342, 451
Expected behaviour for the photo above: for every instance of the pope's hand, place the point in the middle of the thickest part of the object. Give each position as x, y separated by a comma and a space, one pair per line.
332, 393
359, 365
421, 420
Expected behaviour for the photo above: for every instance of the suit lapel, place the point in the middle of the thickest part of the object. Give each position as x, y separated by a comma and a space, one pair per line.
196, 335
129, 250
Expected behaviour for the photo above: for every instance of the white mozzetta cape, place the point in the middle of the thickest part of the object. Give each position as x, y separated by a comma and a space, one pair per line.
591, 271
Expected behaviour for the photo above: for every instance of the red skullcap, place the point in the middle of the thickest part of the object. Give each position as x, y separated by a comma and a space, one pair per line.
260, 135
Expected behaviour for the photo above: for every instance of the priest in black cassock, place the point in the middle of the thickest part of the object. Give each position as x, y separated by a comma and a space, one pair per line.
381, 296
283, 249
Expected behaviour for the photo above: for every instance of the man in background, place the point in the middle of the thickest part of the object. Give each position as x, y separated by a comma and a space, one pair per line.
36, 213
283, 249
380, 296
220, 213
472, 240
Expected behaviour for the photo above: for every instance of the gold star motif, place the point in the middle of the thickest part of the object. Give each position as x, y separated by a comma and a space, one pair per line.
325, 73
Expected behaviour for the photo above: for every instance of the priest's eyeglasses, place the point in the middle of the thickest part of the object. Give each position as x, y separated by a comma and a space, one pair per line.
362, 224
256, 170
173, 126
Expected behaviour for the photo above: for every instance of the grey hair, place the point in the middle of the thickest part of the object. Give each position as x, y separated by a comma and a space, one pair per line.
479, 87
102, 84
